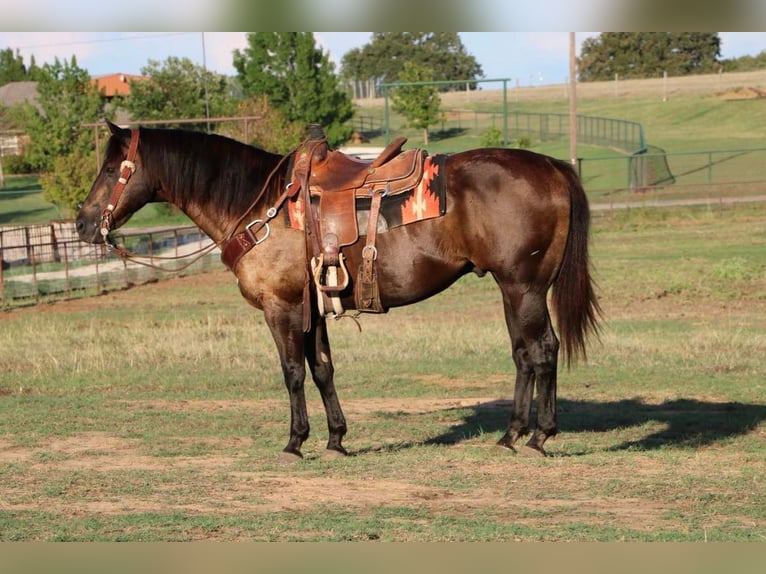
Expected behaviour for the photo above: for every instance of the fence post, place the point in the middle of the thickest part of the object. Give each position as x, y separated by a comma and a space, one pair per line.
66, 270
152, 274
2, 275
33, 260
96, 257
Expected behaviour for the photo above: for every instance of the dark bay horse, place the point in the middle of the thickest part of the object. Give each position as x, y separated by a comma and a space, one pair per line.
518, 215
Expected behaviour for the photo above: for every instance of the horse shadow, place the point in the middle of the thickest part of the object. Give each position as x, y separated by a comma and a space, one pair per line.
684, 423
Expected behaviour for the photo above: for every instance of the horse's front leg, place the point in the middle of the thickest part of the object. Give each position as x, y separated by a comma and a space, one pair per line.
286, 325
320, 363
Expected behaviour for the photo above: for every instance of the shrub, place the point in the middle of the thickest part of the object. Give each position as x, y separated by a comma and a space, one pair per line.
17, 164
492, 137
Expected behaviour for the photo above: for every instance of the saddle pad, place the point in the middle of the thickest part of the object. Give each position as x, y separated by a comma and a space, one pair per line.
426, 201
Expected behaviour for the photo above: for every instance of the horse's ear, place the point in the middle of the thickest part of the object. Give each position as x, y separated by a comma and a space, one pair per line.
115, 129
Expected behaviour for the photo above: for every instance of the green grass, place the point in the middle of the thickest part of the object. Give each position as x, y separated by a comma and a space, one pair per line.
157, 413
22, 202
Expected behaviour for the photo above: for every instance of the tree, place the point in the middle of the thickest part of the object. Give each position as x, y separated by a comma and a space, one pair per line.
648, 54
298, 78
385, 56
70, 180
272, 132
745, 63
68, 99
419, 104
58, 141
12, 67
178, 89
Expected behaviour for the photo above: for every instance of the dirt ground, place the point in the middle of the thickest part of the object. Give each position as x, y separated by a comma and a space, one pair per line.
281, 490
228, 482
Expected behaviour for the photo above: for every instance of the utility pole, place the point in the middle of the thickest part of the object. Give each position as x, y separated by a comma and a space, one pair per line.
572, 101
204, 82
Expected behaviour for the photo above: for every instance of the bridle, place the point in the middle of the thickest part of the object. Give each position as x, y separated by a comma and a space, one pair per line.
127, 168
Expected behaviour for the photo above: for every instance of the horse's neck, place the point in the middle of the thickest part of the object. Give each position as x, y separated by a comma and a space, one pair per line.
217, 214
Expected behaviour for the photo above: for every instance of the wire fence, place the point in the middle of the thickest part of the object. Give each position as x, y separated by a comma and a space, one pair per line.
48, 262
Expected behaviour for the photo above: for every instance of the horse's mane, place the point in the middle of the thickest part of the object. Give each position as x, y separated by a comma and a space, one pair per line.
217, 172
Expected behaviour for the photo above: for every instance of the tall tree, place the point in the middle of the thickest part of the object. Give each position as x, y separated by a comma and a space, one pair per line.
12, 68
384, 57
419, 104
178, 89
298, 78
648, 54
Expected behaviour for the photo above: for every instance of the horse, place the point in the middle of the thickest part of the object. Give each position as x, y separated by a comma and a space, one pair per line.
520, 216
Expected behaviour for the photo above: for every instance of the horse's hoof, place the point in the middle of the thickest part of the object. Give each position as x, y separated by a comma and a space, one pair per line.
502, 445
531, 452
288, 457
334, 453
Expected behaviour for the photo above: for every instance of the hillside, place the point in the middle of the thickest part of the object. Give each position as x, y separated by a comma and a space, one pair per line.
718, 111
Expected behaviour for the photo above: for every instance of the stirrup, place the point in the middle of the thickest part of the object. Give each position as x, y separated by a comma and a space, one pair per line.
331, 277
331, 290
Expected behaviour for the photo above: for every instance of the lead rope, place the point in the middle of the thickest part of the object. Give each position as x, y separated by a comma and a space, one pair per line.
127, 255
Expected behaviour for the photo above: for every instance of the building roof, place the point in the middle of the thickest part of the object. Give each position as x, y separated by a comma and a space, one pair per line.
19, 92
115, 84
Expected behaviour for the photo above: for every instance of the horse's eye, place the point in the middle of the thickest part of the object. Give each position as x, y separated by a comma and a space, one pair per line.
110, 170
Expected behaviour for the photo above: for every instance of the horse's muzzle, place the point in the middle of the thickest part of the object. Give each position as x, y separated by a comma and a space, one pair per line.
88, 229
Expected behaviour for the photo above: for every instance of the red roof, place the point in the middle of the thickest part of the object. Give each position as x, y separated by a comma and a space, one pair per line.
115, 84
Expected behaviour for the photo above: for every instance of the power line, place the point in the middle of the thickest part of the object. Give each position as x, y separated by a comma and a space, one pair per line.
103, 40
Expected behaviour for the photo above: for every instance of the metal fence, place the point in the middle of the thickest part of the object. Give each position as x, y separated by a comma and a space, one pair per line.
594, 130
675, 175
48, 262
543, 126
642, 169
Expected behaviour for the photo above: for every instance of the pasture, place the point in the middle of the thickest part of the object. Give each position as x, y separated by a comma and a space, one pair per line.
157, 413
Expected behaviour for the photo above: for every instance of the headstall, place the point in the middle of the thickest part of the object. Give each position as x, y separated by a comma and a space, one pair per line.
127, 168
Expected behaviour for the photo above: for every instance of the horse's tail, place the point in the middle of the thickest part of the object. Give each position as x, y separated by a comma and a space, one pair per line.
574, 299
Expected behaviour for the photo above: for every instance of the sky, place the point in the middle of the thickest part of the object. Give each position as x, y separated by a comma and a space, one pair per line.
527, 58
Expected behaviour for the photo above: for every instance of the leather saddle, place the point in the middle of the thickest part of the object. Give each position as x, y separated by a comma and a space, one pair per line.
332, 182
393, 168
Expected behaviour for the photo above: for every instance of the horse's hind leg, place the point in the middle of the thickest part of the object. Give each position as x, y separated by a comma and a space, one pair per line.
535, 354
544, 356
320, 363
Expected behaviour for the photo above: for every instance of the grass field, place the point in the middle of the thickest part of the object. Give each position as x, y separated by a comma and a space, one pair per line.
157, 413
692, 113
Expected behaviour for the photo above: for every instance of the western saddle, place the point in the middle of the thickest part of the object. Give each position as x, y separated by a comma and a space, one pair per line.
331, 182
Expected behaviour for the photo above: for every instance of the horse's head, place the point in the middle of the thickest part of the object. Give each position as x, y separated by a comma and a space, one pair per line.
120, 189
